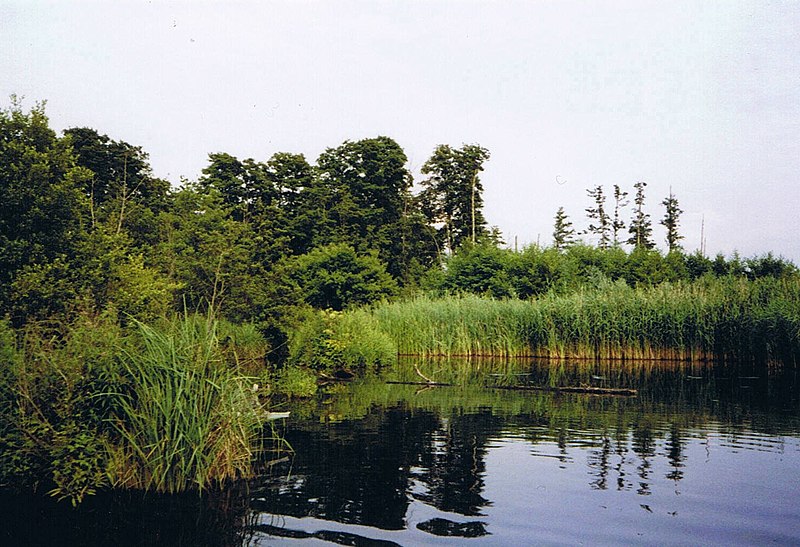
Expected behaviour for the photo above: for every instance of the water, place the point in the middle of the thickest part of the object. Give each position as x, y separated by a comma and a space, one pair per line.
701, 456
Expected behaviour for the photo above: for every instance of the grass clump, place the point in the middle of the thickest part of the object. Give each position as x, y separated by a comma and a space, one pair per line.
90, 406
186, 419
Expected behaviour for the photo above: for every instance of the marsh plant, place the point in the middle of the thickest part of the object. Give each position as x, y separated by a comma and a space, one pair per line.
186, 418
327, 340
710, 319
157, 408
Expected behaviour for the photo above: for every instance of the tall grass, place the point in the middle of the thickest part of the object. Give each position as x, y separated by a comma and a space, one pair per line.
89, 405
187, 420
711, 319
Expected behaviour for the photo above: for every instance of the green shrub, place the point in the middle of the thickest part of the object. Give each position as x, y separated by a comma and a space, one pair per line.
293, 381
328, 340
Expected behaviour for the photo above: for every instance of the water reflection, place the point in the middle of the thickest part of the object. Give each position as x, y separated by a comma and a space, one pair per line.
701, 455
399, 458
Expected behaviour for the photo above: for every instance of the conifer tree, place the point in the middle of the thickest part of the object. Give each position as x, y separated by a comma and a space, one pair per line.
641, 229
598, 214
620, 202
563, 232
671, 221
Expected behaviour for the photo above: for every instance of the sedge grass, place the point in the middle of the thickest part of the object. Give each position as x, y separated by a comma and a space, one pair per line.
187, 421
723, 319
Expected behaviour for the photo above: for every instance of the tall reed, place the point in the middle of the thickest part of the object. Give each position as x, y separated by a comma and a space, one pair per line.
187, 420
709, 319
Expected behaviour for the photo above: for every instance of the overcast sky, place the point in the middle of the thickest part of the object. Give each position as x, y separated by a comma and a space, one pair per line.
702, 97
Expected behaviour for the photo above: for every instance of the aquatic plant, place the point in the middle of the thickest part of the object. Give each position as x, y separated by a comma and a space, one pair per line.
294, 381
327, 340
186, 420
91, 406
724, 319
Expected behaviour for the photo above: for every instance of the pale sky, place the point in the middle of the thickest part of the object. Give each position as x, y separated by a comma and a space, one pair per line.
699, 96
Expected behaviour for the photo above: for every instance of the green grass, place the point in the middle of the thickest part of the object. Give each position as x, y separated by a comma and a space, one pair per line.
188, 419
727, 319
90, 406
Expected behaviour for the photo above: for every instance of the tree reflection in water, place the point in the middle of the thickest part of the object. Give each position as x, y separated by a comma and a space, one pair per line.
389, 447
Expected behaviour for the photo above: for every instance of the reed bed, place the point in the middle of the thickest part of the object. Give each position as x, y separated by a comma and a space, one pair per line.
90, 406
722, 319
187, 420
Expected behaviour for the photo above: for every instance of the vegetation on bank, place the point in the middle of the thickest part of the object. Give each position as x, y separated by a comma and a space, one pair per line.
729, 319
295, 271
161, 408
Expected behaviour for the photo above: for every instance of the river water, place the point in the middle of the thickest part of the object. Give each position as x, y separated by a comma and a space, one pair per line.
700, 456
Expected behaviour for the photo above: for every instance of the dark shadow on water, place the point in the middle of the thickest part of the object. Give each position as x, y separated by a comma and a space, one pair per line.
338, 538
449, 528
122, 519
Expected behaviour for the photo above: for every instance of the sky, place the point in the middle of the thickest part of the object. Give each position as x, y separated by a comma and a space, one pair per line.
701, 98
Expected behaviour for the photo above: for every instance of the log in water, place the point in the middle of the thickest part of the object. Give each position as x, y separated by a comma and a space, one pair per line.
564, 389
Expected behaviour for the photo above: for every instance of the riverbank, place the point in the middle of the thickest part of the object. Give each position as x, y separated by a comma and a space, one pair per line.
728, 319
93, 406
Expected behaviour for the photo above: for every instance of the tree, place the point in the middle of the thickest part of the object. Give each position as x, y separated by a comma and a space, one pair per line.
617, 223
245, 186
42, 209
640, 228
671, 220
211, 255
295, 217
122, 192
452, 194
362, 193
480, 269
562, 230
336, 276
598, 214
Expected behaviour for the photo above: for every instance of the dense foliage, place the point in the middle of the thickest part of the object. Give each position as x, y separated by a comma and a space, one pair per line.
307, 269
86, 227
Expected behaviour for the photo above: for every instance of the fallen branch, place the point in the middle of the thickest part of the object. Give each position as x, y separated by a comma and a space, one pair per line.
428, 380
436, 384
574, 389
564, 389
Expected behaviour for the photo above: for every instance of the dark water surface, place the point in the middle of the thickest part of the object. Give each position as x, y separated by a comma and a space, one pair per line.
701, 456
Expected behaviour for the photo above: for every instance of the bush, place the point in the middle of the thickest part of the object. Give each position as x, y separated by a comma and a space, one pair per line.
294, 381
335, 277
328, 340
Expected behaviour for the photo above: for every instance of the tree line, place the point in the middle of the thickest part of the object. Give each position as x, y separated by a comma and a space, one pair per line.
85, 226
608, 227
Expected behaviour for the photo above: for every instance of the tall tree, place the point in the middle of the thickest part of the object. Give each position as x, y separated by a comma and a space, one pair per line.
122, 190
245, 186
671, 220
296, 217
640, 228
211, 255
363, 194
600, 223
42, 208
452, 193
620, 202
563, 232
